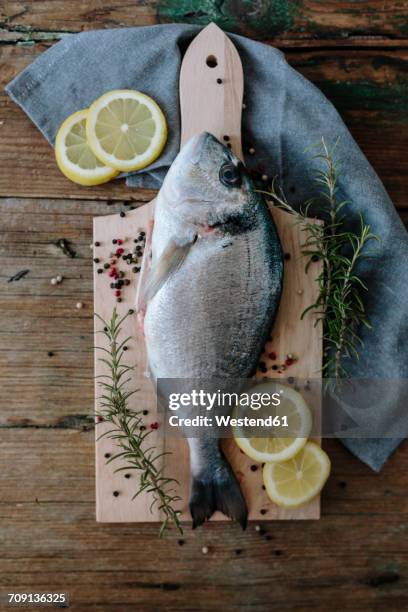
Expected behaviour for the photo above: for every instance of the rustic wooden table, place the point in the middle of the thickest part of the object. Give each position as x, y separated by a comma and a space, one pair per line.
356, 556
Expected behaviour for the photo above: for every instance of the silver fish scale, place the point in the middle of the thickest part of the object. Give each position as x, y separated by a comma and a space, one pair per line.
213, 315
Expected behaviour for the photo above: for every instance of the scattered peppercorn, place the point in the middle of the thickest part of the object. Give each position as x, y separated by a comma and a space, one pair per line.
219, 81
115, 493
122, 214
131, 311
145, 412
254, 468
125, 348
263, 511
100, 270
272, 355
50, 354
106, 266
96, 260
286, 256
114, 241
107, 455
127, 475
97, 244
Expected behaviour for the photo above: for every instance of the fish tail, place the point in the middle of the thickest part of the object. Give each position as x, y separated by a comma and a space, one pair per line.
217, 488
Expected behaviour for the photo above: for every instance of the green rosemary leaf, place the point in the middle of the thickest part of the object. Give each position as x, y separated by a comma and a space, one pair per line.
340, 305
126, 430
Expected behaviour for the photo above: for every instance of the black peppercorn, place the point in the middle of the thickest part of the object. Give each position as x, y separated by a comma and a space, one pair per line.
122, 214
97, 244
96, 260
100, 270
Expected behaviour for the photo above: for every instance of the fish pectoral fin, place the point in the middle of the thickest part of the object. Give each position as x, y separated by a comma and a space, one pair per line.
169, 261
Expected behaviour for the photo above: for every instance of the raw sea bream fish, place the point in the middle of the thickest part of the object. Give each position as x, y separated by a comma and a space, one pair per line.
210, 297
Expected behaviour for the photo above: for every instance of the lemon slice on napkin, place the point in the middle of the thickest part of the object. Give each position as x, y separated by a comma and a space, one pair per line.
278, 447
297, 481
74, 157
126, 129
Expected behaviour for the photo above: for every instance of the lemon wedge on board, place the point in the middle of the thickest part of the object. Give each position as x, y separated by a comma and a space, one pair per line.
297, 481
126, 129
74, 157
276, 447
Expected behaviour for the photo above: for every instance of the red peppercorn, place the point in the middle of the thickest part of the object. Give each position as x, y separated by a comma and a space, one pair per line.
289, 361
119, 251
117, 293
272, 355
154, 425
120, 241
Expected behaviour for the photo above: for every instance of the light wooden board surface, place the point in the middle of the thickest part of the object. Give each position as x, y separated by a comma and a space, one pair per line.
210, 105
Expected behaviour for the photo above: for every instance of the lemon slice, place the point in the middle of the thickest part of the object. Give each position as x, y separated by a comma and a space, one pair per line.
276, 447
74, 157
126, 129
295, 482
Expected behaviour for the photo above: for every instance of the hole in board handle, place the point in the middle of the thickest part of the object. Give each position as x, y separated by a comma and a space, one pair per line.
211, 61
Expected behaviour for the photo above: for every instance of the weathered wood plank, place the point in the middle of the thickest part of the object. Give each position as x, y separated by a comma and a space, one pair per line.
282, 19
369, 88
50, 541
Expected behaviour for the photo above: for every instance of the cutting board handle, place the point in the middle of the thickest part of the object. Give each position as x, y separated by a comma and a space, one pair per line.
211, 89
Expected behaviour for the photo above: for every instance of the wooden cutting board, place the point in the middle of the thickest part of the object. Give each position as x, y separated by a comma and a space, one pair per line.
211, 94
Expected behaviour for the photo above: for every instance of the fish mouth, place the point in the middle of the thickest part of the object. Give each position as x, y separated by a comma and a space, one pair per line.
195, 147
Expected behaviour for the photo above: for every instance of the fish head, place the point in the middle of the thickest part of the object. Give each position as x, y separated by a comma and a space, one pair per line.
207, 183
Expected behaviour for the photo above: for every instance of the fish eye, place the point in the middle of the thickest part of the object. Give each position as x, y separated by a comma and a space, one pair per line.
230, 175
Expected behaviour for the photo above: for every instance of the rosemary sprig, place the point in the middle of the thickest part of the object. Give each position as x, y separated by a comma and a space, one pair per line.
339, 304
126, 428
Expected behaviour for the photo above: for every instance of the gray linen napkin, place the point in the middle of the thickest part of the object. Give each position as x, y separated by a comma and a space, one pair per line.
284, 115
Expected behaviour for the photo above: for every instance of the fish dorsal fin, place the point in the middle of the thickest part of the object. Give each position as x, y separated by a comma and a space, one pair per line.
169, 262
